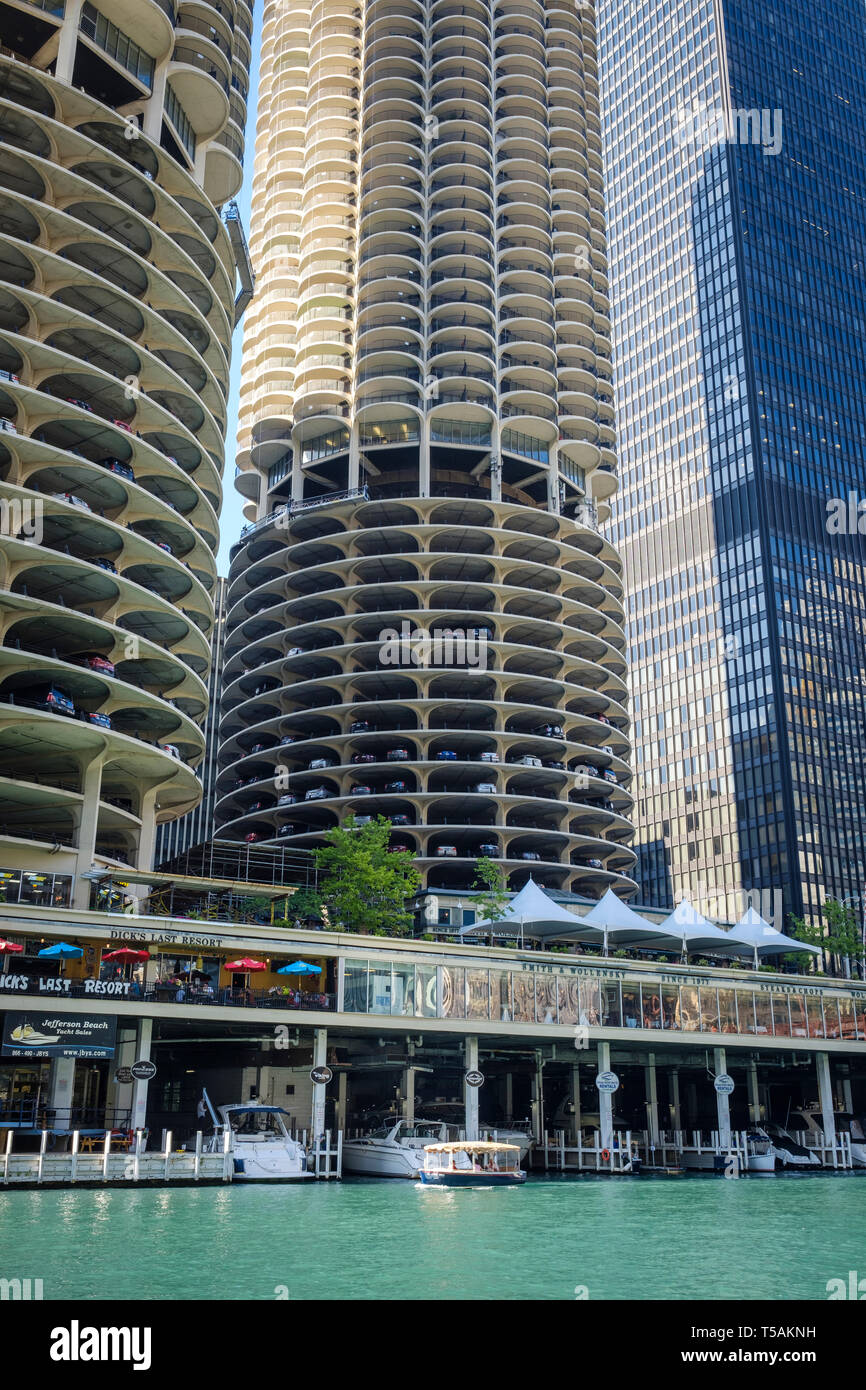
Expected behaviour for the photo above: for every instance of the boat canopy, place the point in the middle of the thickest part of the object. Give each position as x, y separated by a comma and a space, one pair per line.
472, 1146
254, 1109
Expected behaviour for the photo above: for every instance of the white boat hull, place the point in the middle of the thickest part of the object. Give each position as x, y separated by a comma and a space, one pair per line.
267, 1163
367, 1159
761, 1163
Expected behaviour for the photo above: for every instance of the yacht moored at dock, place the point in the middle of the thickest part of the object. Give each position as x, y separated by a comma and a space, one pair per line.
262, 1148
392, 1152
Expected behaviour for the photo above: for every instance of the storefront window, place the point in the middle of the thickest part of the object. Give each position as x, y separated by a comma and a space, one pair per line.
728, 1010
815, 1014
611, 1015
10, 885
631, 1006
500, 995
746, 1010
781, 1021
380, 988
356, 987
847, 1020
545, 999
453, 992
403, 990
690, 1018
831, 1018
478, 994
651, 1004
798, 1016
569, 999
670, 1006
590, 1002
763, 1014
524, 996
709, 1010
36, 889
425, 991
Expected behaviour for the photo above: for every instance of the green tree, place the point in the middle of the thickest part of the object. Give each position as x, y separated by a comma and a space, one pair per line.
302, 905
363, 887
493, 895
838, 934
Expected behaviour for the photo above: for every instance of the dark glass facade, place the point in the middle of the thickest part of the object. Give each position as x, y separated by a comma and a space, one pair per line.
737, 288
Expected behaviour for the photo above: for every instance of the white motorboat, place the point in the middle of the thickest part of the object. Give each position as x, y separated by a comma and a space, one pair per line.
760, 1153
505, 1134
261, 1146
810, 1121
396, 1151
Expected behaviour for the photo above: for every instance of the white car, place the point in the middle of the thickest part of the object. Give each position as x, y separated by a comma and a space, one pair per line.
71, 500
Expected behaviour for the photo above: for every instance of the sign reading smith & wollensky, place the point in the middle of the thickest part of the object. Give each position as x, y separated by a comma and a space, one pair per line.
39, 1033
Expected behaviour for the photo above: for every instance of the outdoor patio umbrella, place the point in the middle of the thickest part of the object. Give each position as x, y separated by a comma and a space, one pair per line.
62, 951
126, 953
245, 964
699, 934
764, 939
532, 913
622, 925
9, 946
298, 967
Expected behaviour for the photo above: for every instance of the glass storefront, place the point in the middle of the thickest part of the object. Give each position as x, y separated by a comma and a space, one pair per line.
593, 999
42, 890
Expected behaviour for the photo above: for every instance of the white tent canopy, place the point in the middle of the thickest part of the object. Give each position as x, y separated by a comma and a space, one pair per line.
620, 923
697, 933
764, 939
532, 913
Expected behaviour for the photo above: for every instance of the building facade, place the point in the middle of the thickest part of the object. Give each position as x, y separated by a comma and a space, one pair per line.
734, 149
120, 136
177, 836
424, 617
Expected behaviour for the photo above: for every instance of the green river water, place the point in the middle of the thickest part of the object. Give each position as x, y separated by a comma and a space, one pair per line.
696, 1237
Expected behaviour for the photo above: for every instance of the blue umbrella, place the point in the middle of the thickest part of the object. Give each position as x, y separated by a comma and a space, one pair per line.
62, 951
298, 967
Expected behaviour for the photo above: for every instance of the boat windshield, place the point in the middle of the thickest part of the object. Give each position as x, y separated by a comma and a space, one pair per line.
852, 1125
257, 1124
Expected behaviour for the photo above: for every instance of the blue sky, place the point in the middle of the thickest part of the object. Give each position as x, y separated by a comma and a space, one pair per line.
231, 519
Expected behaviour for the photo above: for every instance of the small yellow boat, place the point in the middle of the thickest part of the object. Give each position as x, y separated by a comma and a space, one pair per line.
471, 1163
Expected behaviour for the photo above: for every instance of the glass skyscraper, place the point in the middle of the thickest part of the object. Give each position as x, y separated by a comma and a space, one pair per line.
734, 158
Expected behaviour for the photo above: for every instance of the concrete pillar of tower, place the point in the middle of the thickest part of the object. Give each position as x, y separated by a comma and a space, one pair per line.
509, 1096
605, 1100
60, 1082
470, 1093
342, 1098
68, 41
847, 1100
407, 1089
652, 1099
723, 1102
825, 1097
538, 1099
424, 458
320, 1058
87, 817
152, 123
143, 1039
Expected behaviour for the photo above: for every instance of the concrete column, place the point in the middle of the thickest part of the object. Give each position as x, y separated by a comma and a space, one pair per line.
152, 118
652, 1099
147, 834
575, 1100
538, 1099
342, 1093
60, 1083
91, 782
320, 1059
407, 1088
68, 41
605, 1099
825, 1097
723, 1104
752, 1083
847, 1100
139, 1091
470, 1093
676, 1107
509, 1095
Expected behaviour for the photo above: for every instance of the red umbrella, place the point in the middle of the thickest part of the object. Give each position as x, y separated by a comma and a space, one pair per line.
9, 945
246, 963
127, 953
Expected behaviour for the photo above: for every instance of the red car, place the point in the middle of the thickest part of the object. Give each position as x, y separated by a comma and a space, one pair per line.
98, 663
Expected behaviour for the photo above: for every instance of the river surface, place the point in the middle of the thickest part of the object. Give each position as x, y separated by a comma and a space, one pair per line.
696, 1237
